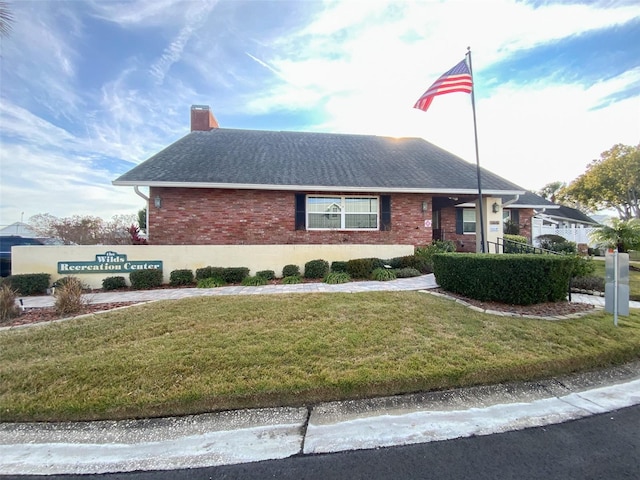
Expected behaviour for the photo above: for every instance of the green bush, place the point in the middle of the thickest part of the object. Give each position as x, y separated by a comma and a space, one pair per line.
182, 277
437, 246
235, 274
254, 281
209, 272
337, 277
339, 266
521, 244
363, 267
512, 279
291, 279
406, 272
28, 283
316, 269
266, 274
383, 274
145, 279
290, 270
417, 262
211, 282
556, 243
582, 266
114, 283
588, 283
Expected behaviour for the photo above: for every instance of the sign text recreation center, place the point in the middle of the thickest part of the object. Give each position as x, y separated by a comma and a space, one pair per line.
109, 262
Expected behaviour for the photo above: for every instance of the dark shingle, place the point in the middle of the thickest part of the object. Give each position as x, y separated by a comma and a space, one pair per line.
254, 157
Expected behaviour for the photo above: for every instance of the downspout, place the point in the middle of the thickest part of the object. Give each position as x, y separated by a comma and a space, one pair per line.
146, 199
509, 202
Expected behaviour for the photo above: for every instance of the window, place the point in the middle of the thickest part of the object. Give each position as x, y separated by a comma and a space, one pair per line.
342, 213
468, 220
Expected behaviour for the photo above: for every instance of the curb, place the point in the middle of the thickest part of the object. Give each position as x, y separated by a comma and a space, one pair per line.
243, 436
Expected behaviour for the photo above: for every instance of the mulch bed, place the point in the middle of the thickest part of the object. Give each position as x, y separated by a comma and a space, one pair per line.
549, 309
47, 314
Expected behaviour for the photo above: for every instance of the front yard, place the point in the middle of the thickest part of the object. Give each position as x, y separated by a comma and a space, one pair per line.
212, 353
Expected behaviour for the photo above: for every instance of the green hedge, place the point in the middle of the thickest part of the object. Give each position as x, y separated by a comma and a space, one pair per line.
145, 279
28, 283
228, 274
363, 267
181, 277
316, 269
512, 279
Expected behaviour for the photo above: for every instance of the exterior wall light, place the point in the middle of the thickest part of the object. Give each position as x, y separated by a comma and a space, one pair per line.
425, 206
495, 207
157, 201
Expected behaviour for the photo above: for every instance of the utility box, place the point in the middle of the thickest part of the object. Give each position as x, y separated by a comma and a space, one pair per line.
616, 278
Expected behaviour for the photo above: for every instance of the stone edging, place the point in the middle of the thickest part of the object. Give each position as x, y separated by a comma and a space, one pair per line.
509, 314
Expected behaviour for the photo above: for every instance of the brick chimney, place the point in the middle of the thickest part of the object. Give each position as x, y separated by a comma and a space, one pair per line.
202, 119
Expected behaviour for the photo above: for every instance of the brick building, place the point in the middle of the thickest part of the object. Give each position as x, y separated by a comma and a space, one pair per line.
218, 186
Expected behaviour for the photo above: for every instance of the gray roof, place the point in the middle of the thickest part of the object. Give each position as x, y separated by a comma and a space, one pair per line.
532, 200
570, 213
231, 158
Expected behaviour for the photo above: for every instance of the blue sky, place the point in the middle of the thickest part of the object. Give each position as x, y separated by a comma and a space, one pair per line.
89, 89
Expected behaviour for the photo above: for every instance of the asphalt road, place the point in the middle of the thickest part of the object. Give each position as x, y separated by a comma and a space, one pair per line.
603, 446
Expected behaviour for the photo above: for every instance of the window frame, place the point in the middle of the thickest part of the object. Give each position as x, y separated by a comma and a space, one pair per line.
343, 213
467, 222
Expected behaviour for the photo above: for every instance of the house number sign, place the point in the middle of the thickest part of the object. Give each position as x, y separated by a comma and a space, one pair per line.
109, 262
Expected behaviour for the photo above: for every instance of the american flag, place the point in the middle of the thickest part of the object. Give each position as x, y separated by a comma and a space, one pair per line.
458, 79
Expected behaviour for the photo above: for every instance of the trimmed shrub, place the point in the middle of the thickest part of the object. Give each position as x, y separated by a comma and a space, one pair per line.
512, 279
363, 267
145, 279
69, 296
114, 283
235, 274
178, 278
588, 283
254, 281
406, 272
337, 277
209, 272
28, 283
291, 279
290, 270
266, 274
211, 282
339, 266
383, 274
521, 244
417, 262
8, 307
316, 269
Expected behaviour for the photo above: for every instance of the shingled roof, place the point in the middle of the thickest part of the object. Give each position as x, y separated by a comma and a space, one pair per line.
233, 158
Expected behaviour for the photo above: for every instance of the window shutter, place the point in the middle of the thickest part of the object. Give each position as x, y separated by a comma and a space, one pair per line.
515, 216
385, 212
301, 211
459, 226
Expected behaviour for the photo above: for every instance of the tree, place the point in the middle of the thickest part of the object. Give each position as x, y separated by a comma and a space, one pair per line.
84, 230
622, 234
142, 219
612, 182
550, 190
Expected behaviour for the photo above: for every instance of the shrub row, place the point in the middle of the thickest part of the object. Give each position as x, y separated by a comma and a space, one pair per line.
512, 279
28, 283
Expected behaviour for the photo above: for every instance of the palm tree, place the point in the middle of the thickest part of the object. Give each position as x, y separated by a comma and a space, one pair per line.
6, 19
623, 234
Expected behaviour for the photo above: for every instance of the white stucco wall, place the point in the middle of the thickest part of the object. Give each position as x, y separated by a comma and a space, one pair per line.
44, 259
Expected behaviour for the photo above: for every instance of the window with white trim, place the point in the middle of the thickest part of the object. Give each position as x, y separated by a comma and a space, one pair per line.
342, 213
469, 220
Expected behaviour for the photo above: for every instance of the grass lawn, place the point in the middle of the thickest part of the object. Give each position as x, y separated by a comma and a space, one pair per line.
211, 353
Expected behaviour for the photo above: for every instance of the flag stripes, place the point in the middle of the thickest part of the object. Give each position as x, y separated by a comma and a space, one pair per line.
458, 79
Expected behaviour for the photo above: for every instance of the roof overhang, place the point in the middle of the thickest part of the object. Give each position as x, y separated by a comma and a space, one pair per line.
316, 188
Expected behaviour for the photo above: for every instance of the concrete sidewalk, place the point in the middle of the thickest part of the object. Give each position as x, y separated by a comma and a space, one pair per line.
273, 433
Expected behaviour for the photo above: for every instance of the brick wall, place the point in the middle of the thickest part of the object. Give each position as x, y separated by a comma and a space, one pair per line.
467, 242
195, 216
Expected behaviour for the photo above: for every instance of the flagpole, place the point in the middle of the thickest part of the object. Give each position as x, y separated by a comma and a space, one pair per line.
475, 131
